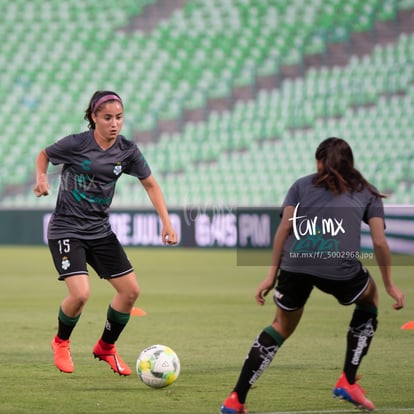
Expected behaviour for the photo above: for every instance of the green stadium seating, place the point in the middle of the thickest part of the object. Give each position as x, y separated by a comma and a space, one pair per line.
202, 51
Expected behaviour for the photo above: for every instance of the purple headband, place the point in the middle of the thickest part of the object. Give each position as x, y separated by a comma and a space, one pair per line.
104, 99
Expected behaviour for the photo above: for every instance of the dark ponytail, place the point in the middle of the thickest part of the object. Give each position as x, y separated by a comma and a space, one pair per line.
338, 173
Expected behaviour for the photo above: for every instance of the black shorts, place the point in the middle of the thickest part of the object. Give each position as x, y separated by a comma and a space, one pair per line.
105, 255
293, 289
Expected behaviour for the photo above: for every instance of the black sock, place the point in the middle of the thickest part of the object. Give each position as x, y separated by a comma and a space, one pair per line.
114, 325
361, 330
260, 356
65, 325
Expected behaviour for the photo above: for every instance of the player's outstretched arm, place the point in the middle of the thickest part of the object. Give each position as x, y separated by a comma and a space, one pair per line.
42, 186
169, 236
383, 258
281, 235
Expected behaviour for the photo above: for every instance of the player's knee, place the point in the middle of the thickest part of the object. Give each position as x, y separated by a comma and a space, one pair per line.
135, 293
131, 295
81, 298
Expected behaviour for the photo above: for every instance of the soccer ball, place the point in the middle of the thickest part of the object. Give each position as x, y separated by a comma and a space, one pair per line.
158, 366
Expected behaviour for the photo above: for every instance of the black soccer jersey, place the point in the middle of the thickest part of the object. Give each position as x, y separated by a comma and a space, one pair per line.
88, 181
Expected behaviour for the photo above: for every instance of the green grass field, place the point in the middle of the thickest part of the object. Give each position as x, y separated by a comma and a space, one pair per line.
199, 302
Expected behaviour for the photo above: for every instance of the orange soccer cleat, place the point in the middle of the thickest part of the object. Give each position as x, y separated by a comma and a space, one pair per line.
107, 352
353, 393
63, 358
232, 405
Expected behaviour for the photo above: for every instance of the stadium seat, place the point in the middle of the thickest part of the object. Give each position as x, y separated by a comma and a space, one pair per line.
202, 51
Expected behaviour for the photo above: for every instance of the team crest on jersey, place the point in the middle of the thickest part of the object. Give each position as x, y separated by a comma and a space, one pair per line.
117, 169
65, 263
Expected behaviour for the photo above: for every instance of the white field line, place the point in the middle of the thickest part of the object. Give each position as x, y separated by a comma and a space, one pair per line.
353, 410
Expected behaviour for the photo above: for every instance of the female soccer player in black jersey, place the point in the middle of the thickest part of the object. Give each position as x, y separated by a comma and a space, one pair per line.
79, 231
317, 244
